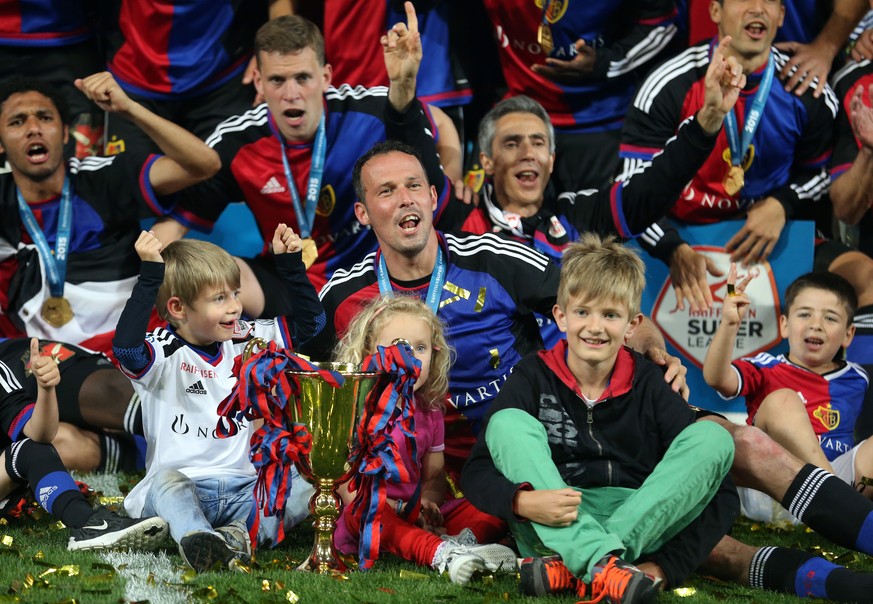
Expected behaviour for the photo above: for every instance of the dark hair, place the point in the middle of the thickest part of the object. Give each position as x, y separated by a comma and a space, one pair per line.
21, 84
289, 34
827, 281
383, 148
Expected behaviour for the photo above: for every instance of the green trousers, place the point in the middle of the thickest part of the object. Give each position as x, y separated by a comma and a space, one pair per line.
626, 522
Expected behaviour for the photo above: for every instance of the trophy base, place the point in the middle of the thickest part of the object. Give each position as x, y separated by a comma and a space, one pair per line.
325, 508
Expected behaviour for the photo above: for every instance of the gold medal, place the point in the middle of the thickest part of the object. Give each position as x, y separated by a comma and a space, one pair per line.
57, 311
310, 252
544, 38
734, 180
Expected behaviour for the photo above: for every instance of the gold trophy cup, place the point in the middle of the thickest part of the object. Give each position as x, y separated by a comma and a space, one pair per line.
331, 415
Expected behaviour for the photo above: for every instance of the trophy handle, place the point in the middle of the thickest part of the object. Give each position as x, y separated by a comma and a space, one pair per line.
249, 350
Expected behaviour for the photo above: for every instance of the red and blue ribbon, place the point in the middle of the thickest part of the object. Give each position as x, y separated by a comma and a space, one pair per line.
390, 403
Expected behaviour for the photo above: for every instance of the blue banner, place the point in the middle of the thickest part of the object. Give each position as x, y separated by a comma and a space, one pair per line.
688, 333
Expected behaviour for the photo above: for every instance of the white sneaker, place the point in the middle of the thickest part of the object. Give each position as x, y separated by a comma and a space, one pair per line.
465, 537
498, 558
458, 561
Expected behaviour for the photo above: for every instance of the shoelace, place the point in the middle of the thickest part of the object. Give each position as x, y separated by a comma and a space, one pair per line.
610, 582
559, 576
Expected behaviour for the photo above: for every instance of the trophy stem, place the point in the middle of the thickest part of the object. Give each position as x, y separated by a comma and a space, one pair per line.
324, 506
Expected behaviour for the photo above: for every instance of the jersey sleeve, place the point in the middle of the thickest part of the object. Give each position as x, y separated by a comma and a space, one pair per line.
751, 377
651, 26
809, 178
129, 344
846, 145
627, 208
199, 206
307, 318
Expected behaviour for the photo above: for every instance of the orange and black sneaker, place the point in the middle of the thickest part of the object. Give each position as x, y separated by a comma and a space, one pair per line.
618, 582
544, 576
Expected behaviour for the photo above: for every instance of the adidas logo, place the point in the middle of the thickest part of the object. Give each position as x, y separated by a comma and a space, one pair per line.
272, 186
196, 388
44, 494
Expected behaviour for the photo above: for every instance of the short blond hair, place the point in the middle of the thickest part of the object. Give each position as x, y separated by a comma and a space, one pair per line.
360, 341
192, 265
594, 269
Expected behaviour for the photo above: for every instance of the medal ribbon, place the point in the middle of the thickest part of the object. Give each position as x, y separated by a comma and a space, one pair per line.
753, 116
545, 20
306, 218
55, 263
434, 290
390, 404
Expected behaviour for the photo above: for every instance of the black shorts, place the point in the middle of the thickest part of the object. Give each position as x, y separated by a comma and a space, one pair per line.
277, 299
75, 364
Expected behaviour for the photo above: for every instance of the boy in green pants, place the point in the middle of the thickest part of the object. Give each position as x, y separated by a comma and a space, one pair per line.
617, 468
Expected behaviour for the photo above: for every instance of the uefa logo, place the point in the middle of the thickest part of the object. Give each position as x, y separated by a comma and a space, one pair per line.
691, 332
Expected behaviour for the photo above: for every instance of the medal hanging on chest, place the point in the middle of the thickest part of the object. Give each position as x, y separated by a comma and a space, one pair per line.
741, 152
544, 30
56, 310
306, 215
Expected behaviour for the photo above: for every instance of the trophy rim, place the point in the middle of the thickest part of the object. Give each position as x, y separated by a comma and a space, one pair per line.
345, 369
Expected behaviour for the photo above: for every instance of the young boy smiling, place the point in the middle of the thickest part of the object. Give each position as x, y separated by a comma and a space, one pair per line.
611, 466
808, 400
204, 485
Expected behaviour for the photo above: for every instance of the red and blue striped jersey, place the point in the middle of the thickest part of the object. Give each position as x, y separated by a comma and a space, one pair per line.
171, 50
44, 22
625, 35
351, 34
833, 400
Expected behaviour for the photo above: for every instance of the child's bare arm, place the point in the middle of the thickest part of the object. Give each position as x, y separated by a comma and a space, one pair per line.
717, 369
43, 423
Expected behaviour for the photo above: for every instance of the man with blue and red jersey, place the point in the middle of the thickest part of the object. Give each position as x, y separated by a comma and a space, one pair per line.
291, 159
188, 61
484, 287
769, 165
66, 227
55, 41
579, 60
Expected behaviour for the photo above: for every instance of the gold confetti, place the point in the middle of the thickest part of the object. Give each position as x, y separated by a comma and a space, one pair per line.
292, 597
6, 540
685, 592
409, 574
265, 585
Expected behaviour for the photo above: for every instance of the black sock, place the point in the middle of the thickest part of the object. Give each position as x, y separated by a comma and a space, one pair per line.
39, 466
807, 576
117, 453
831, 508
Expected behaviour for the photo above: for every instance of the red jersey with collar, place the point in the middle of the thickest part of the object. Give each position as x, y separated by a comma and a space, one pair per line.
833, 401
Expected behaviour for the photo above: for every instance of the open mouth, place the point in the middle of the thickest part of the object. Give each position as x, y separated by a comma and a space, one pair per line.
228, 324
293, 114
756, 29
37, 152
594, 341
409, 222
814, 343
527, 177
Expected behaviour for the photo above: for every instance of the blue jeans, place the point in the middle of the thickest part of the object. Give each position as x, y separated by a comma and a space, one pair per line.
206, 503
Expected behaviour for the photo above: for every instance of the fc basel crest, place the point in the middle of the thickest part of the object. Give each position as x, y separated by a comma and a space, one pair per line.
557, 9
829, 417
326, 201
